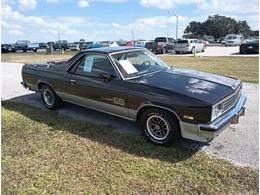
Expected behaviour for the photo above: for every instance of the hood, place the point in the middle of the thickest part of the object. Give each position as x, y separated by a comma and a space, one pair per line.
203, 86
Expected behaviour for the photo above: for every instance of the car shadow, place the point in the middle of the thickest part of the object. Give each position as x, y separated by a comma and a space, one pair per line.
245, 54
179, 151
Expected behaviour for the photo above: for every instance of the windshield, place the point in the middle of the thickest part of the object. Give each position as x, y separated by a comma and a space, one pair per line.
136, 63
22, 42
231, 37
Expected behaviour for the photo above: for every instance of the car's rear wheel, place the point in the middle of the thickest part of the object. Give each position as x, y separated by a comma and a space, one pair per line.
160, 126
49, 98
164, 50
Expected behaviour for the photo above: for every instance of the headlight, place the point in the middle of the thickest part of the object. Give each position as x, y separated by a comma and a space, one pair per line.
217, 110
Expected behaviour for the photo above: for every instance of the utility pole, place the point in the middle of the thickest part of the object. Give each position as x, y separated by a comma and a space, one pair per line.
58, 31
177, 26
133, 38
177, 22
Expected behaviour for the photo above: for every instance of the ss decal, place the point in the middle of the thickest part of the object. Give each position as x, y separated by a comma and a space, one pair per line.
118, 101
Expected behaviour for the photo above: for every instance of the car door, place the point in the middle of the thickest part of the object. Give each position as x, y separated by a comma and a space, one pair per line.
198, 45
201, 45
171, 44
95, 83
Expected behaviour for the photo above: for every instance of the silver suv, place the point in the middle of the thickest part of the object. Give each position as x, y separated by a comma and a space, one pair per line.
233, 40
189, 46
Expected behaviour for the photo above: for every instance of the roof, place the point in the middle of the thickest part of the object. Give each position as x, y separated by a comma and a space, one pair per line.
108, 50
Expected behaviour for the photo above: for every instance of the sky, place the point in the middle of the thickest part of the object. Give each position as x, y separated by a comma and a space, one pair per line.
99, 20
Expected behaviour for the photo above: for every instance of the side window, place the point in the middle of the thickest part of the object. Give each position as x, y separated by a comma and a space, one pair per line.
171, 40
95, 65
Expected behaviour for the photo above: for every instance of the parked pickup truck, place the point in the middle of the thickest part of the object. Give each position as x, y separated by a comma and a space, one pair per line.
134, 84
61, 44
21, 45
161, 45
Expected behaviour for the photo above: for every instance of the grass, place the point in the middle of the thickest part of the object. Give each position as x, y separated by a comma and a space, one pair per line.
244, 68
30, 57
46, 153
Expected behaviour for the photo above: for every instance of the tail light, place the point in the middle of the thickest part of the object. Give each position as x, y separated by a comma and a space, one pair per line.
158, 46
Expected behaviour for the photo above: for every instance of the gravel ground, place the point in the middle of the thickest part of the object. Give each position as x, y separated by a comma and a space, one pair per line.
219, 51
238, 143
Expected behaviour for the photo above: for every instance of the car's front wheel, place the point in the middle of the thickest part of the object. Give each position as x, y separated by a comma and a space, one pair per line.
160, 126
49, 98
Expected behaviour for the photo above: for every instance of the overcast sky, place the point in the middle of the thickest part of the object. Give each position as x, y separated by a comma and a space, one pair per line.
37, 20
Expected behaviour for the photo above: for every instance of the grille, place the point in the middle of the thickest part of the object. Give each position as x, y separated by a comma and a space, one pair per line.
231, 101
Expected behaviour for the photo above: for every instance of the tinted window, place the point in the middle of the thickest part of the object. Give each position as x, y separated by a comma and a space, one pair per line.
161, 39
183, 41
94, 65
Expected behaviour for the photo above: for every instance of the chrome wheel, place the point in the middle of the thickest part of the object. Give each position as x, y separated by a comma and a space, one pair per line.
48, 97
157, 127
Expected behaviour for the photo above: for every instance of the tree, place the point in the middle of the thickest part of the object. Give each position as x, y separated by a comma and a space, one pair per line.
243, 28
218, 26
194, 27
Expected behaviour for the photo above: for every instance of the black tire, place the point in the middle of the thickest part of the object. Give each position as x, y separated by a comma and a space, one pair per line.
192, 50
242, 52
164, 50
177, 52
165, 117
35, 50
55, 101
24, 50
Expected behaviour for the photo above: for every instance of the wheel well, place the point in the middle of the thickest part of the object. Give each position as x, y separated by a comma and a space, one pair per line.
144, 108
41, 84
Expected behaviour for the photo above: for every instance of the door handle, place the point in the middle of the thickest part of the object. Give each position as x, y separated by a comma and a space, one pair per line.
72, 82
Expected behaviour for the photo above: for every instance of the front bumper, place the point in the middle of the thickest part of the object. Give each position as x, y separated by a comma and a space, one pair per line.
231, 44
206, 132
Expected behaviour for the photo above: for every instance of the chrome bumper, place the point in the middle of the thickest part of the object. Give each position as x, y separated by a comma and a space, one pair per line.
206, 132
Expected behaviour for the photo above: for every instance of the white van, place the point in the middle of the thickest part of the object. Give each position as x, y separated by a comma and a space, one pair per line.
233, 40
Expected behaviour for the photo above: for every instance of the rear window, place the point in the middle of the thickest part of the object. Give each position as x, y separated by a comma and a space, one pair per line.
183, 41
161, 39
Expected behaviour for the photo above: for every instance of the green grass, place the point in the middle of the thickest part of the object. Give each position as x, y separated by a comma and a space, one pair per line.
244, 68
46, 153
